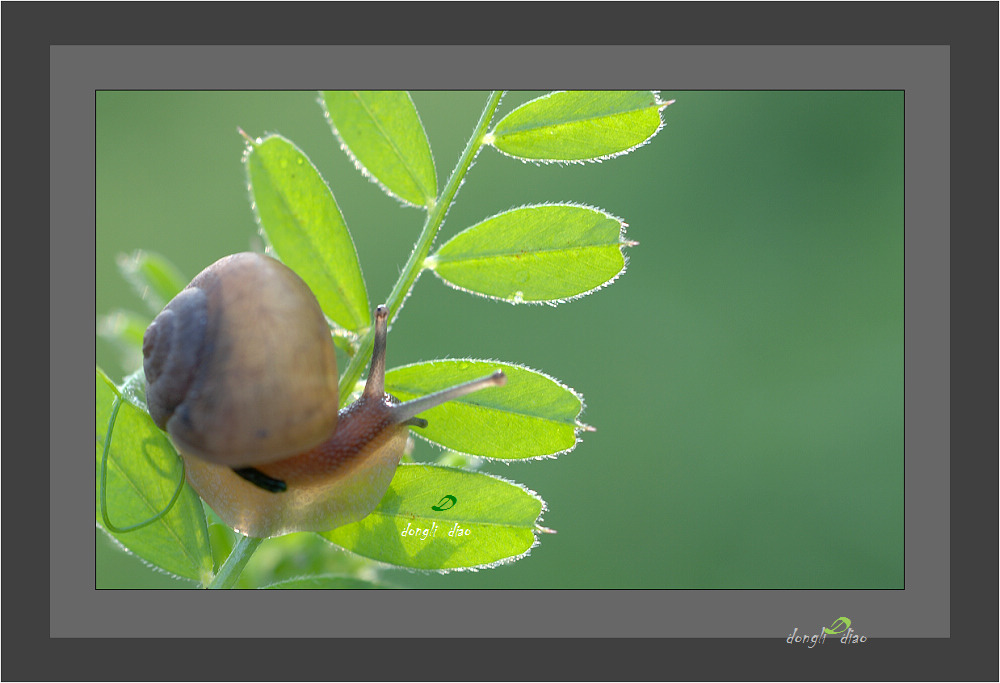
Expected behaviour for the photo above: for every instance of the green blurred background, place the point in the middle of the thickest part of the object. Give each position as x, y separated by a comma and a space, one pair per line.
745, 375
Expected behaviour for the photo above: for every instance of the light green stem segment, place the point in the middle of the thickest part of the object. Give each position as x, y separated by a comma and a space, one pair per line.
230, 570
415, 264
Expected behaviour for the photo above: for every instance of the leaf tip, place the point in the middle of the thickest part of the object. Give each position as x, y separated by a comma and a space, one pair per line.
250, 141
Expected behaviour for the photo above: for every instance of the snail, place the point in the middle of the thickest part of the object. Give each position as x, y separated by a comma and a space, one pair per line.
242, 375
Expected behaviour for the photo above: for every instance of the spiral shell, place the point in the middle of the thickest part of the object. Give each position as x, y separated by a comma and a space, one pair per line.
240, 366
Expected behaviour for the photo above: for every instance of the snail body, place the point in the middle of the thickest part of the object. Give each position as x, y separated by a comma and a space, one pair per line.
241, 373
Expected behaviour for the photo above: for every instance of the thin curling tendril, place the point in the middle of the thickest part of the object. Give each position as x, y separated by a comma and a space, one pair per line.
108, 524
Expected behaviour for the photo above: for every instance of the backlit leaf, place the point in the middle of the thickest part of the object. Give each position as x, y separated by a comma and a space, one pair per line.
324, 581
300, 217
382, 132
125, 330
154, 278
579, 125
532, 416
439, 518
535, 254
143, 473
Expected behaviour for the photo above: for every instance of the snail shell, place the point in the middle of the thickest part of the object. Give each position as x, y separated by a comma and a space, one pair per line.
240, 366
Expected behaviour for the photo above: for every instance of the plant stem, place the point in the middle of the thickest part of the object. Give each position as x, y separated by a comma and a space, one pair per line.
415, 264
230, 570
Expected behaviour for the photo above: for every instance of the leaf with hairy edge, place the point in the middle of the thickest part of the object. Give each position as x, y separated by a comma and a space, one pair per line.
532, 416
124, 328
153, 277
582, 125
125, 331
302, 222
382, 133
547, 253
324, 581
439, 518
143, 473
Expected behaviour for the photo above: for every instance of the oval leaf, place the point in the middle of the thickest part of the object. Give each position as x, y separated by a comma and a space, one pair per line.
532, 416
125, 330
382, 133
325, 581
303, 224
579, 125
535, 254
155, 279
441, 518
143, 472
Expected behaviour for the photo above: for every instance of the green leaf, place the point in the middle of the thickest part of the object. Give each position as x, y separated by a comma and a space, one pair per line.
459, 460
123, 327
532, 416
535, 254
221, 538
382, 132
155, 279
579, 125
125, 330
442, 518
143, 473
302, 222
325, 581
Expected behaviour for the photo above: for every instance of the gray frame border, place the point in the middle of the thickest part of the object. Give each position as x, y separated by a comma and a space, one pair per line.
921, 610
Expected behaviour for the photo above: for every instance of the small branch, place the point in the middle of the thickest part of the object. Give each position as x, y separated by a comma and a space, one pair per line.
415, 264
230, 570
